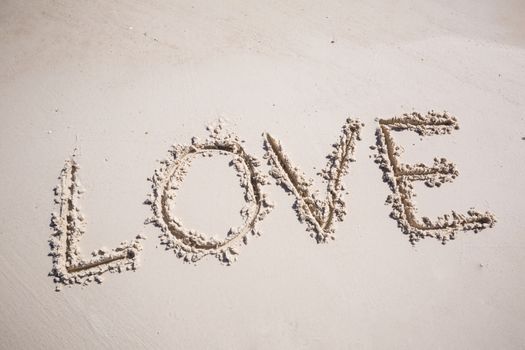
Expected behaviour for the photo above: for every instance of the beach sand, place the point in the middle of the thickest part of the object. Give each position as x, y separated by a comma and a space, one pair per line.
110, 87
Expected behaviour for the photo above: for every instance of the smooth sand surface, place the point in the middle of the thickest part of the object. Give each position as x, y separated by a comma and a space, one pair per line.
123, 81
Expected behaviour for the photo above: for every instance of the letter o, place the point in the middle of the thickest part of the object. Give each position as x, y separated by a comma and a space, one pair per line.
192, 245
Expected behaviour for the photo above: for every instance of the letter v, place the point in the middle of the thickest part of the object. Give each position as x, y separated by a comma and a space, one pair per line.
318, 215
68, 227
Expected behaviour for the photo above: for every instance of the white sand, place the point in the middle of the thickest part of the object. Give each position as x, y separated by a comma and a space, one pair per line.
123, 81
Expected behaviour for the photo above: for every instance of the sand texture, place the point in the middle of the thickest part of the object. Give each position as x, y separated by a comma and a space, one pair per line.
262, 175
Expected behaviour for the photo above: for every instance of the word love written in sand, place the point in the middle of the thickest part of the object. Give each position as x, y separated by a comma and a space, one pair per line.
319, 214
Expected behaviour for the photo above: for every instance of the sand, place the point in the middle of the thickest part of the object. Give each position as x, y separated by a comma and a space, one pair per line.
113, 94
